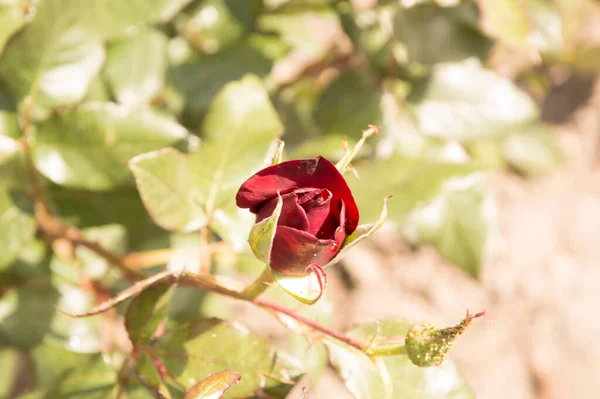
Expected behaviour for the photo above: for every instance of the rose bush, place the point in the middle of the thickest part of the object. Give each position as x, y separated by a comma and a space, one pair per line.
318, 211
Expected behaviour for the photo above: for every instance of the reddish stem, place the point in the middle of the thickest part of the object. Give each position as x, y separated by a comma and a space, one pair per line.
268, 304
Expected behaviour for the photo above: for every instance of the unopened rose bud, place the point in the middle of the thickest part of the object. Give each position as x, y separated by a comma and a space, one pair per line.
315, 212
427, 345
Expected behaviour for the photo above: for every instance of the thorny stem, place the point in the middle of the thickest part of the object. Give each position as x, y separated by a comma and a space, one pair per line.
260, 285
274, 306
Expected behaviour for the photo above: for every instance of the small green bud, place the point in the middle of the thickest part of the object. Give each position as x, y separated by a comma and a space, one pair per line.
427, 345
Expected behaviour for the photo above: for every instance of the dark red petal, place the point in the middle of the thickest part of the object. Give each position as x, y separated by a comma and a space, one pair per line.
318, 212
292, 214
294, 251
288, 176
340, 233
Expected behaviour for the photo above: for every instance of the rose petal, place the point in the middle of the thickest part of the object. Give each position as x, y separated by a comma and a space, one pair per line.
318, 212
340, 233
294, 250
288, 176
292, 214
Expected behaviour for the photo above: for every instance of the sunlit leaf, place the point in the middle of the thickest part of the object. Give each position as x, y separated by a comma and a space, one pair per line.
408, 380
207, 346
311, 32
57, 55
203, 76
411, 182
17, 227
88, 147
135, 67
532, 151
76, 335
215, 24
164, 180
239, 127
214, 386
356, 369
458, 222
464, 101
12, 18
507, 21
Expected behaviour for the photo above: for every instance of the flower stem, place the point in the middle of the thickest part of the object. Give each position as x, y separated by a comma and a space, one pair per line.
260, 285
268, 304
386, 350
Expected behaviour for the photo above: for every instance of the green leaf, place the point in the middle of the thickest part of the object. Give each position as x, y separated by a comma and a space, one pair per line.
233, 225
53, 362
238, 130
262, 234
165, 182
356, 369
214, 386
113, 237
91, 208
17, 228
547, 35
408, 380
9, 126
75, 335
88, 147
433, 34
9, 358
239, 127
135, 67
207, 346
507, 21
203, 76
348, 105
458, 222
145, 312
532, 151
147, 373
12, 18
215, 24
26, 314
309, 350
13, 173
94, 379
52, 58
412, 181
464, 101
57, 55
370, 32
308, 32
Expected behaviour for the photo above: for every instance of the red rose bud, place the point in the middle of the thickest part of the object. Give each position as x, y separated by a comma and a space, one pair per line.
318, 212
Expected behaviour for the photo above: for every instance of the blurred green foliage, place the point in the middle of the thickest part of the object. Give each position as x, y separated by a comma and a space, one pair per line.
142, 118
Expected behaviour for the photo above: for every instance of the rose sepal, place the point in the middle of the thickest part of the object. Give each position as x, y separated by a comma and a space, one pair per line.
262, 234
